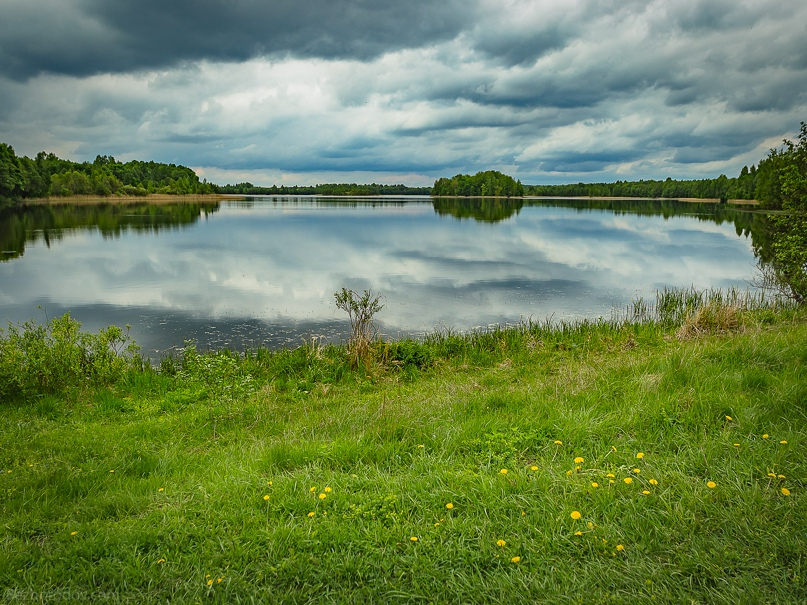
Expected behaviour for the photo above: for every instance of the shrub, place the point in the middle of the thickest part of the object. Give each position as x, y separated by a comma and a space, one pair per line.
37, 359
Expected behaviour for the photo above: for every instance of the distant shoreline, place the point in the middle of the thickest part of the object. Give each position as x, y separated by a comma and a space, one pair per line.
162, 198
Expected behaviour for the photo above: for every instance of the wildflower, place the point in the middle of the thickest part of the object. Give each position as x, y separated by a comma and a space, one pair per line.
628, 480
579, 460
620, 547
515, 559
413, 539
327, 490
323, 496
610, 475
421, 446
568, 473
637, 470
595, 484
533, 468
728, 417
73, 533
313, 489
268, 483
112, 471
162, 489
785, 491
736, 445
160, 560
711, 484
437, 524
640, 455
558, 442
578, 533
218, 580
577, 468
646, 492
611, 481
613, 448
500, 543
210, 582
783, 442
780, 476
590, 525
503, 471
765, 436
311, 514
449, 506
575, 515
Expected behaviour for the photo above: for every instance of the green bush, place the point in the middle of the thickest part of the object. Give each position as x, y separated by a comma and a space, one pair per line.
43, 359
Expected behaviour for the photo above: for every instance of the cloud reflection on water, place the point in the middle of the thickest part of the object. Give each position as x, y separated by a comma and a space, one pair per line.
265, 273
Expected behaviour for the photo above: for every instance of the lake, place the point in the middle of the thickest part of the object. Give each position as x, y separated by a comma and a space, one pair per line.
261, 271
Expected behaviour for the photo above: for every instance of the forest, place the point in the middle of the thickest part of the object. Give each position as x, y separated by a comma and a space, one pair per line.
482, 184
50, 176
323, 189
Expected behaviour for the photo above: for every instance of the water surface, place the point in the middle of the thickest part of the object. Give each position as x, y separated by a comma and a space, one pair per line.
262, 271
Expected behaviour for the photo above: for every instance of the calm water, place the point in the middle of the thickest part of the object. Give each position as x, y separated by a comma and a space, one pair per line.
263, 271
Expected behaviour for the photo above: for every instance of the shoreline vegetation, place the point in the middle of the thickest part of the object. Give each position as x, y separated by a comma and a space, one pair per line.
658, 456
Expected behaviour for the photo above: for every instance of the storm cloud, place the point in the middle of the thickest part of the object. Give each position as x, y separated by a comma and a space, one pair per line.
293, 93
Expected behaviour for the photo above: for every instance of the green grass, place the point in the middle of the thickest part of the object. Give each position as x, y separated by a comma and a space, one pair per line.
152, 488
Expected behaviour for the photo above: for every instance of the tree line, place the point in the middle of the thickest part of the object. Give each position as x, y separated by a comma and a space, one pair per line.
488, 183
47, 175
322, 189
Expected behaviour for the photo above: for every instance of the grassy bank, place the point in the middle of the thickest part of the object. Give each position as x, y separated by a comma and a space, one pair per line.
597, 463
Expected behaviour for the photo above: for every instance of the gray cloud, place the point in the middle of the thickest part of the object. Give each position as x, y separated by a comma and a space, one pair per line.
283, 92
84, 37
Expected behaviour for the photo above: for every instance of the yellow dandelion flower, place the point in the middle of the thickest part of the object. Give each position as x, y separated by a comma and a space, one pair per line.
577, 468
162, 489
500, 543
437, 524
772, 475
736, 445
73, 533
613, 448
610, 475
579, 460
628, 480
515, 559
421, 446
785, 491
558, 442
503, 471
413, 539
783, 442
640, 455
653, 482
313, 489
765, 436
112, 471
533, 468
449, 506
590, 525
595, 484
611, 481
160, 560
268, 483
620, 547
646, 492
568, 473
637, 470
575, 515
322, 496
578, 533
266, 497
728, 417
711, 484
210, 582
218, 580
311, 514
327, 490
780, 476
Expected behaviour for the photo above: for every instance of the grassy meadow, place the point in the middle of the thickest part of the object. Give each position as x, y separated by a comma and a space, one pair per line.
634, 461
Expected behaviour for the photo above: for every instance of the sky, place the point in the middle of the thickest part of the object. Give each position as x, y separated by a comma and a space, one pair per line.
321, 91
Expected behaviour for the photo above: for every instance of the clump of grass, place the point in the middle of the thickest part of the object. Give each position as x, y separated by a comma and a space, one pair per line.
711, 318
